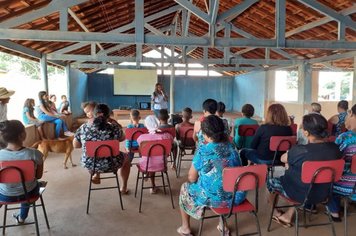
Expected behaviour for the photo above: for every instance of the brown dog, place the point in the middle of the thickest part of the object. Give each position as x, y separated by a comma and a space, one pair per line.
57, 146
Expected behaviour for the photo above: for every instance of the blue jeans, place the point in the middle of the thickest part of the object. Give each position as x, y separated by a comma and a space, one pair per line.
58, 122
334, 203
253, 156
156, 111
25, 207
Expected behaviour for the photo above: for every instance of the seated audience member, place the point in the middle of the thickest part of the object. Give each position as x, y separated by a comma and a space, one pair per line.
205, 185
163, 117
152, 123
64, 106
186, 116
347, 145
227, 121
47, 115
277, 124
315, 109
52, 104
99, 130
29, 117
339, 120
247, 112
135, 123
88, 108
290, 184
210, 107
14, 134
163, 123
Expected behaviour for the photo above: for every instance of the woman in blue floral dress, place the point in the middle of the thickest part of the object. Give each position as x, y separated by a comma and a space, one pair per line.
98, 130
205, 186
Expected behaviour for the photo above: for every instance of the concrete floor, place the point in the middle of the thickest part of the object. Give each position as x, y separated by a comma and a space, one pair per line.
66, 195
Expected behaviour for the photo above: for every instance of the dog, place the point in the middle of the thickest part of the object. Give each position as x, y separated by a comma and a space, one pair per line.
57, 146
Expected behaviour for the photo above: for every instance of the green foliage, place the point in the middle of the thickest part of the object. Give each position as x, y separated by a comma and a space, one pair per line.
30, 68
292, 80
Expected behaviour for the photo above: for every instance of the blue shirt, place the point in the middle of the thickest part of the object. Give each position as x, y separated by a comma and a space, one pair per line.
209, 161
133, 144
24, 116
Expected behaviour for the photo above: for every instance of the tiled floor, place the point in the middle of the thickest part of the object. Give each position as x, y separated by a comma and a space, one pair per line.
66, 196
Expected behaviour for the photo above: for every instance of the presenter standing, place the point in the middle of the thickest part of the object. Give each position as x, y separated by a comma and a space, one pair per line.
159, 99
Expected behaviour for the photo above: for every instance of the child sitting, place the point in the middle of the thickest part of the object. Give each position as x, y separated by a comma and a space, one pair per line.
163, 124
151, 123
64, 106
29, 117
13, 133
163, 119
220, 113
135, 123
187, 116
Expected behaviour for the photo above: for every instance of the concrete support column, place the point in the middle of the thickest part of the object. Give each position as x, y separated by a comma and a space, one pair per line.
171, 90
305, 85
269, 90
67, 73
44, 75
354, 84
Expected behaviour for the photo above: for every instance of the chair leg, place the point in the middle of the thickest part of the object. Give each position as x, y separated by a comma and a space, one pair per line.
273, 206
44, 211
179, 161
222, 220
36, 220
257, 223
345, 215
118, 188
201, 223
236, 226
142, 183
164, 185
170, 190
296, 222
4, 220
304, 217
138, 176
89, 194
330, 220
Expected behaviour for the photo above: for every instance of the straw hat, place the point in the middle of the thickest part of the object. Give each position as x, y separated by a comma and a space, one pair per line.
4, 93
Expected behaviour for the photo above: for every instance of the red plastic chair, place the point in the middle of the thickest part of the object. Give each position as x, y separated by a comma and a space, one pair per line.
347, 198
173, 153
154, 149
98, 150
12, 172
247, 131
294, 128
313, 173
330, 128
279, 144
186, 142
235, 179
132, 134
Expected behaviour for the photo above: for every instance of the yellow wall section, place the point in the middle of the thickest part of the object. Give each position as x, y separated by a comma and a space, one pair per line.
134, 82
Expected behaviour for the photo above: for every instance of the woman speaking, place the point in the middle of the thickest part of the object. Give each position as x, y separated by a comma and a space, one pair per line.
159, 99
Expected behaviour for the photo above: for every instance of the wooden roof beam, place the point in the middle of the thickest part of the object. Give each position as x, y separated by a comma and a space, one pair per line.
54, 6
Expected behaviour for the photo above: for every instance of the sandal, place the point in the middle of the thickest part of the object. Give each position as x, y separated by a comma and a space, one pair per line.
153, 190
282, 222
227, 231
179, 231
126, 192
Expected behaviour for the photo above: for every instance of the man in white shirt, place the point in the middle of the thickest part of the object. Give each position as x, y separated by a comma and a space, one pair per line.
4, 99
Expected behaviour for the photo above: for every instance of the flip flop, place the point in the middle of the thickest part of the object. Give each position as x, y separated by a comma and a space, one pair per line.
227, 231
281, 222
179, 231
127, 192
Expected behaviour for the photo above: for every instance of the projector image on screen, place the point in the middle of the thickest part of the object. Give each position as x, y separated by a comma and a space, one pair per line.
134, 82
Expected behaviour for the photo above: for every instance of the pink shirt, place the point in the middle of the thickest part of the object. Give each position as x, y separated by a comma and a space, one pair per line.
156, 163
